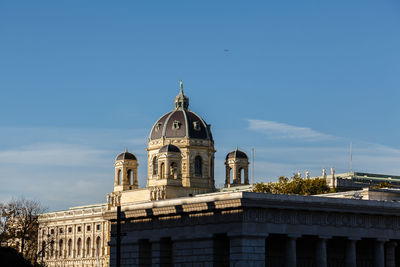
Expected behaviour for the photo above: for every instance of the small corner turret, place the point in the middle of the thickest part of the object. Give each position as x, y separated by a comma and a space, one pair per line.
126, 167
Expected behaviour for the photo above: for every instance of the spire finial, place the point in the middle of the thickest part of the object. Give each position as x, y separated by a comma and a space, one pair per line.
237, 148
126, 149
181, 85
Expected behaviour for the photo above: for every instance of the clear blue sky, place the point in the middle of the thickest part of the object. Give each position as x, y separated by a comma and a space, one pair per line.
296, 80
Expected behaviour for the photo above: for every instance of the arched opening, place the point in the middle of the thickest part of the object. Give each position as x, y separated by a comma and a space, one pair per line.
70, 248
119, 177
212, 167
240, 175
60, 247
88, 247
198, 168
174, 170
129, 176
98, 246
155, 166
162, 170
79, 247
52, 249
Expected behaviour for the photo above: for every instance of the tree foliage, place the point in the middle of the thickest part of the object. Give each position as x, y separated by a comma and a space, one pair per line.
294, 186
382, 185
19, 226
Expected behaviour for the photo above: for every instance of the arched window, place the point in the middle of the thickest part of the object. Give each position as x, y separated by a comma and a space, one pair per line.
155, 166
52, 249
240, 175
198, 168
61, 247
119, 176
88, 247
129, 176
162, 170
69, 247
79, 247
44, 248
98, 246
174, 170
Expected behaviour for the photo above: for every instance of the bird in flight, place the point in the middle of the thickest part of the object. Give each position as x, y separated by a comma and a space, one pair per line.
227, 50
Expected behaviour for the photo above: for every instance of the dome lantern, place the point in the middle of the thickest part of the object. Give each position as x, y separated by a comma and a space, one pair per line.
181, 100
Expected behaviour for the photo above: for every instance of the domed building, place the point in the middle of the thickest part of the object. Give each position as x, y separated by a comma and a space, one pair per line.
187, 134
180, 155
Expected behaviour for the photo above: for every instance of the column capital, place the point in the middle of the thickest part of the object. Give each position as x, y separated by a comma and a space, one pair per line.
352, 238
248, 236
293, 236
381, 240
325, 237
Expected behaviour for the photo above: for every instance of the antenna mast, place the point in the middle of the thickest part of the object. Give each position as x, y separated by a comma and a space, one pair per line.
351, 156
252, 166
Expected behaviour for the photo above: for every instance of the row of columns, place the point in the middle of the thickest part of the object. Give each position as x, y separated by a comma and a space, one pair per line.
248, 251
350, 253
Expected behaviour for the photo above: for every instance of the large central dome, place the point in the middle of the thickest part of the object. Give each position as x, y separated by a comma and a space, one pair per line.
181, 122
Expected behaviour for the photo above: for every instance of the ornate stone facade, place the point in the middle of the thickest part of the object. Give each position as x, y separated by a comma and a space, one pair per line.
75, 237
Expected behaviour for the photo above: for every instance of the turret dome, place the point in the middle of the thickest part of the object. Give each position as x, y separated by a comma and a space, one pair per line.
169, 148
125, 155
237, 154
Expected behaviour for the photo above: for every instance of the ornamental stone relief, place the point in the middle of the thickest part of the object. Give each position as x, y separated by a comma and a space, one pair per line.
323, 219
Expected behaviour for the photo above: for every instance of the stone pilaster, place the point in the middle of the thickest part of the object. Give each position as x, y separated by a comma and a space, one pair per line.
320, 253
155, 254
379, 253
351, 253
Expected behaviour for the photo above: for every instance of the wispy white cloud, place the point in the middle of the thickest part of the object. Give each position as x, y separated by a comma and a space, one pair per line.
278, 130
55, 154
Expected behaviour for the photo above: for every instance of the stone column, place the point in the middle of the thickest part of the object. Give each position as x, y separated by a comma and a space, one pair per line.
379, 253
321, 254
227, 176
290, 251
351, 253
246, 175
247, 251
234, 174
390, 254
155, 253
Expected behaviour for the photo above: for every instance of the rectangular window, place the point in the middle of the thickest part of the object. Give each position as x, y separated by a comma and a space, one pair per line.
79, 228
144, 252
221, 250
88, 228
69, 229
52, 231
61, 230
98, 227
166, 252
